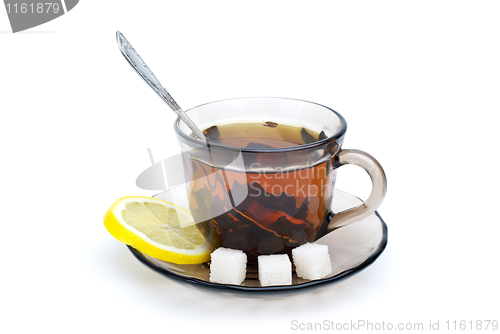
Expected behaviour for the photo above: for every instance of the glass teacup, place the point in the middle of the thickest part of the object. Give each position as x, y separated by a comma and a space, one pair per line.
264, 182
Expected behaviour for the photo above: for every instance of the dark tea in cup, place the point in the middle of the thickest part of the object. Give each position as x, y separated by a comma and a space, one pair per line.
283, 209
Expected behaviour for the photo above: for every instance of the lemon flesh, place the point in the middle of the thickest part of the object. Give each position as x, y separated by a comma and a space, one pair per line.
157, 228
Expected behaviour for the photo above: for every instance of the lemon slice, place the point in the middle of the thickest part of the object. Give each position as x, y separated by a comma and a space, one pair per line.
158, 228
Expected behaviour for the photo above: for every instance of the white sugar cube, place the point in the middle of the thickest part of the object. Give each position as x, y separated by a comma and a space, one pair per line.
228, 266
312, 261
275, 270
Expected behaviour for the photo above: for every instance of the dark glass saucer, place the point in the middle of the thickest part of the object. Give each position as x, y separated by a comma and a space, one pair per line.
352, 248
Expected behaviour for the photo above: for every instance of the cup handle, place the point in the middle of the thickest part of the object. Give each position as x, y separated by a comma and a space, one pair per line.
379, 188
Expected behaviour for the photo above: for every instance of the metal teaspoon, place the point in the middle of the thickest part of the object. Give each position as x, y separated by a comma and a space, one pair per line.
140, 66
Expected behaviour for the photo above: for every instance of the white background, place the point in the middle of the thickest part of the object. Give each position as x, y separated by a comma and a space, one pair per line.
417, 81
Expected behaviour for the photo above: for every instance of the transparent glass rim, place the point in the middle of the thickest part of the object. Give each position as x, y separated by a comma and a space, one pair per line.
340, 132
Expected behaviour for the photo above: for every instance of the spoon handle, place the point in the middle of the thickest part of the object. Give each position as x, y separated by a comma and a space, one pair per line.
140, 66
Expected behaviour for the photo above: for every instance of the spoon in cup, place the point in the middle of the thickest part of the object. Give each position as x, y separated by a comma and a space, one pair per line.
143, 70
